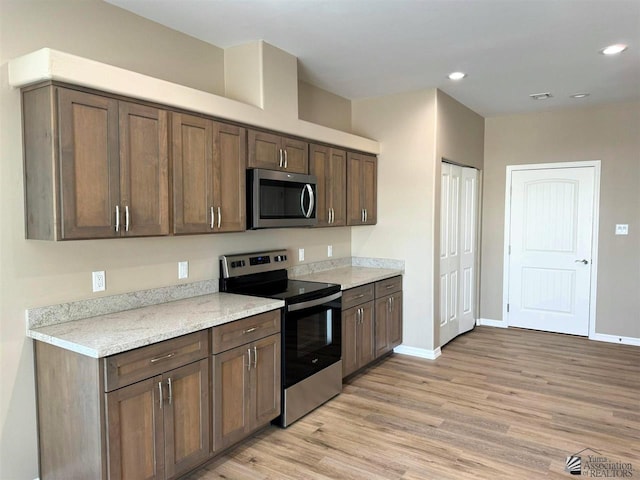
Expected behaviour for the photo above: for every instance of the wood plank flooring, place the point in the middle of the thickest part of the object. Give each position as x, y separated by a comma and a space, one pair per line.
499, 403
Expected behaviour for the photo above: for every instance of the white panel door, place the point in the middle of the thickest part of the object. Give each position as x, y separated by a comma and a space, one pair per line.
449, 251
458, 224
468, 228
552, 214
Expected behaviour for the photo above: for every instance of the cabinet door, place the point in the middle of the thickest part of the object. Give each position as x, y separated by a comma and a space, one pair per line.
382, 314
193, 207
231, 397
361, 189
296, 155
186, 417
319, 165
394, 325
265, 151
338, 186
369, 171
229, 178
350, 329
144, 170
135, 431
89, 164
265, 384
367, 352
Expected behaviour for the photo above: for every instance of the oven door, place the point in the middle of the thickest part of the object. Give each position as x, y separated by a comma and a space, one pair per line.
312, 337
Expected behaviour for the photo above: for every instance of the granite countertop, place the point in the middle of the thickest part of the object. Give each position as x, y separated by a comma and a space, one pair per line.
350, 276
113, 333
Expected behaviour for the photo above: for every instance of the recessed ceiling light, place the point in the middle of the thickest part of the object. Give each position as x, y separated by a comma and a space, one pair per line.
457, 75
541, 96
580, 95
614, 49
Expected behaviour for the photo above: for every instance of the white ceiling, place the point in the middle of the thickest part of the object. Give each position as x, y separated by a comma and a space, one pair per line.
368, 48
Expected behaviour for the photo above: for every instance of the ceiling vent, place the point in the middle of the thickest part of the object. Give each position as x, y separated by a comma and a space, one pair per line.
541, 96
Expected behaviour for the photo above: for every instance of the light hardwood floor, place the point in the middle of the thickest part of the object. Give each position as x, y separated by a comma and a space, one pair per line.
499, 403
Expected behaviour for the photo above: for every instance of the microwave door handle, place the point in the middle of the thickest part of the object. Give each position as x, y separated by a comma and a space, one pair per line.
308, 188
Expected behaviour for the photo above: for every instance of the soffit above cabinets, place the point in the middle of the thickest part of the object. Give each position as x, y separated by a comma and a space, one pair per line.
48, 64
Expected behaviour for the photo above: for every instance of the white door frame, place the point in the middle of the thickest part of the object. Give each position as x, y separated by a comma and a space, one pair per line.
594, 234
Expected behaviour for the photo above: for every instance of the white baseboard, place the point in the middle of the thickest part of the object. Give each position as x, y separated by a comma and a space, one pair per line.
487, 322
603, 337
418, 352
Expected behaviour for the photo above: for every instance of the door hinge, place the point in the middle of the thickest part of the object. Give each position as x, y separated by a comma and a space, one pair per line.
507, 308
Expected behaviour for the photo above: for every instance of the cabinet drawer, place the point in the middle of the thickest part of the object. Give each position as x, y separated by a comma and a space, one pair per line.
234, 334
356, 296
135, 365
388, 286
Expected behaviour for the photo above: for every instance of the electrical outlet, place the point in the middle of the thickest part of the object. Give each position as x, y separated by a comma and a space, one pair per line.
329, 250
301, 254
183, 269
99, 281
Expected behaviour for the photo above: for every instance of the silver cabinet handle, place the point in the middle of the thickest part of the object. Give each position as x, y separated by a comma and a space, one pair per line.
117, 218
362, 215
584, 260
213, 217
389, 304
249, 354
249, 330
366, 214
126, 218
307, 188
163, 357
255, 357
219, 217
160, 390
280, 155
170, 390
286, 158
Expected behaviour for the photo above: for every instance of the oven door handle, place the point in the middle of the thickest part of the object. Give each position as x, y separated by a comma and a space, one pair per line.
312, 303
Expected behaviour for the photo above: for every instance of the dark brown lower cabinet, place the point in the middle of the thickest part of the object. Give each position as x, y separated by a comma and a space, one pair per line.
371, 322
246, 386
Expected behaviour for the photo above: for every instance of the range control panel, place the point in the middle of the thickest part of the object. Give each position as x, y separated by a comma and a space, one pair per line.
256, 262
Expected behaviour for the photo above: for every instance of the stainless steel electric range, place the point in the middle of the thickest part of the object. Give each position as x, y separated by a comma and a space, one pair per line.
311, 327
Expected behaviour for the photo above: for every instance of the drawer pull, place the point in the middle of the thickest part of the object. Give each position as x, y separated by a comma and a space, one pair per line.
390, 286
249, 330
359, 296
164, 357
170, 390
160, 390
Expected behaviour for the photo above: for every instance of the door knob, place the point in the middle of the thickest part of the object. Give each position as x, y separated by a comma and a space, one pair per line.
584, 260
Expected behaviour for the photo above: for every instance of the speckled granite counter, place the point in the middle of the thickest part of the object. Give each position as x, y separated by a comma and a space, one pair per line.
351, 276
105, 335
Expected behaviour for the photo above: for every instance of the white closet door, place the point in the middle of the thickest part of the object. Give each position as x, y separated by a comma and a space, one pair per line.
468, 244
458, 225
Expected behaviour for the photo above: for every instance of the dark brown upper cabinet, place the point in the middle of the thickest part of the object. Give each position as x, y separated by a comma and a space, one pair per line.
209, 161
275, 152
362, 173
95, 167
329, 165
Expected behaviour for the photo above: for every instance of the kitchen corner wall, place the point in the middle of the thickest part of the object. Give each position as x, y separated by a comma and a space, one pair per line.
609, 133
405, 126
36, 273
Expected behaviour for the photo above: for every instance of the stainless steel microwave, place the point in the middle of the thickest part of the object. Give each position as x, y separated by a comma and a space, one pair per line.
280, 199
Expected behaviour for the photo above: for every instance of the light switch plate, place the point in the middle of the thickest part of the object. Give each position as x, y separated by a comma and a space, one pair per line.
301, 254
622, 229
329, 250
183, 269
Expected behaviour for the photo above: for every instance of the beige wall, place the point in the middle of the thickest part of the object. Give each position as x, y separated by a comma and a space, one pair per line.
459, 139
36, 273
324, 108
609, 133
404, 125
